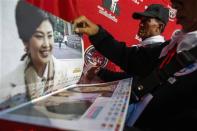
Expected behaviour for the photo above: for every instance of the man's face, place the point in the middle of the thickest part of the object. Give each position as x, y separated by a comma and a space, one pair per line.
186, 13
148, 27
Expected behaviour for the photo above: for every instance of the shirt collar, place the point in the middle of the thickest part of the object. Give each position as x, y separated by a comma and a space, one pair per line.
45, 73
189, 41
193, 32
152, 40
44, 77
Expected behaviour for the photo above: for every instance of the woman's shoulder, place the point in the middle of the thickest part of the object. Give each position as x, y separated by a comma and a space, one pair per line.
14, 77
12, 85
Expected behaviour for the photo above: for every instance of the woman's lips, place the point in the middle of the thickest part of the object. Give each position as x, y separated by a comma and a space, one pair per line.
45, 53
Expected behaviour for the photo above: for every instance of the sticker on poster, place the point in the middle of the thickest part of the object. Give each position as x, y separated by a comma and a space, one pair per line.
110, 9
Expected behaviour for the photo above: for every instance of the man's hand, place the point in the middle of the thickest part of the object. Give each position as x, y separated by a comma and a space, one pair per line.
92, 72
82, 25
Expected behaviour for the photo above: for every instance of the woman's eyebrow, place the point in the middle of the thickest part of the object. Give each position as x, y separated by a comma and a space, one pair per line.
37, 31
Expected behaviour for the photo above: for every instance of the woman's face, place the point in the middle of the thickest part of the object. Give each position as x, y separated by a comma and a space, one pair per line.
40, 44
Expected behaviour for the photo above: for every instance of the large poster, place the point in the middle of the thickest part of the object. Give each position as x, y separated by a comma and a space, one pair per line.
39, 53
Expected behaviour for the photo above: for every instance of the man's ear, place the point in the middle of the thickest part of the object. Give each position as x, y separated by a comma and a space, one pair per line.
161, 27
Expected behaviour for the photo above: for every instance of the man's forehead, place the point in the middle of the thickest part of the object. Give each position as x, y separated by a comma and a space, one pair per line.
147, 18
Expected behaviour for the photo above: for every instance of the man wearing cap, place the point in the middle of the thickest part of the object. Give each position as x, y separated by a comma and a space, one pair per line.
168, 71
152, 23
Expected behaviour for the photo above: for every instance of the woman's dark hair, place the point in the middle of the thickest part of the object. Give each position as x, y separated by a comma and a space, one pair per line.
28, 18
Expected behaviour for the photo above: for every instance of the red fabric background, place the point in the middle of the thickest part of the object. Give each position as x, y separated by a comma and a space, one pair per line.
124, 29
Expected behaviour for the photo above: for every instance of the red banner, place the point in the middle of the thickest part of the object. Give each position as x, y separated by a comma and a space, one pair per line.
113, 15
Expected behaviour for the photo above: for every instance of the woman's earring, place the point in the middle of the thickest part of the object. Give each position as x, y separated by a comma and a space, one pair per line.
26, 50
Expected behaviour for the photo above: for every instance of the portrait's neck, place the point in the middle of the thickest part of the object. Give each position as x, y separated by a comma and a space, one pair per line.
40, 68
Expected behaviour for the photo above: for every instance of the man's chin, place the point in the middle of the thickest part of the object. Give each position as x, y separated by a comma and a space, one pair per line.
140, 35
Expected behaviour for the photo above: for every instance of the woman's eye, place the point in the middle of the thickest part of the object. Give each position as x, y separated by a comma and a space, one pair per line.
39, 36
50, 36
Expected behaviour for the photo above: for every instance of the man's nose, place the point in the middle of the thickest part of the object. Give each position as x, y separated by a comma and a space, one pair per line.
141, 24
